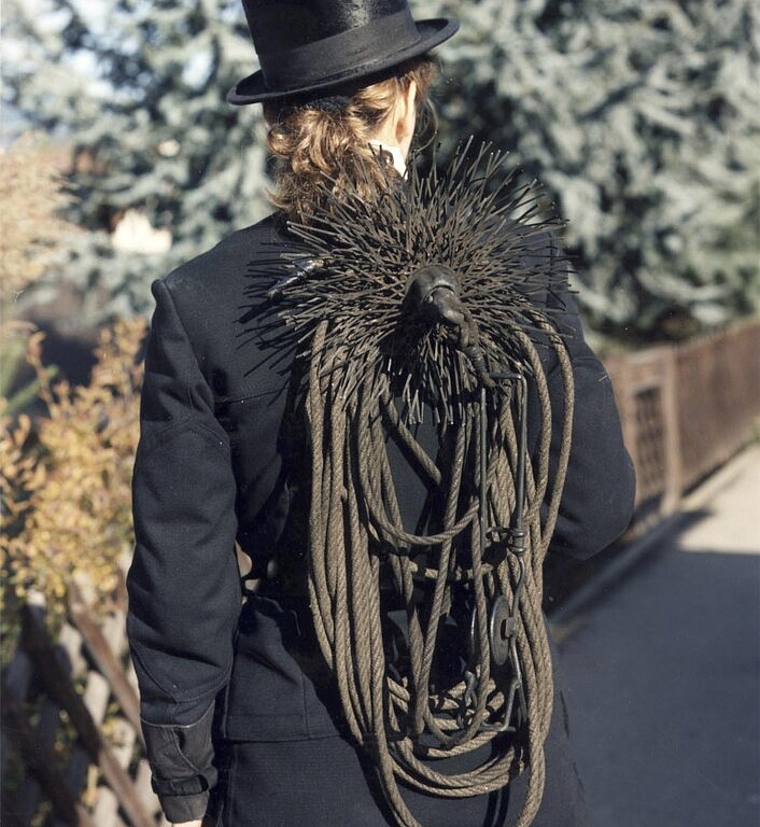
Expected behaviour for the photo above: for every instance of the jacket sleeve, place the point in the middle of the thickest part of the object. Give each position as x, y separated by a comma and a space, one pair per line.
184, 591
597, 499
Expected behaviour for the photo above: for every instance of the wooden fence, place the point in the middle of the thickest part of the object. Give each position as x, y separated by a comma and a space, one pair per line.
685, 410
70, 711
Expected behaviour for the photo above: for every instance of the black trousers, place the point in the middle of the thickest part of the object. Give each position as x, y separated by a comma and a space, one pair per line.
326, 783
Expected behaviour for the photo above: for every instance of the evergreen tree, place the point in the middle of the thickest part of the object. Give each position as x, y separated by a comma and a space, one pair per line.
642, 118
138, 88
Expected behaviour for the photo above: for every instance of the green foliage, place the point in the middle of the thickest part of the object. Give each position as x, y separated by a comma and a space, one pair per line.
642, 118
139, 91
65, 500
30, 231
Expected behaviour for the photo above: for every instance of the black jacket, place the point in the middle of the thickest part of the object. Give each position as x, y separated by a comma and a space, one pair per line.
212, 471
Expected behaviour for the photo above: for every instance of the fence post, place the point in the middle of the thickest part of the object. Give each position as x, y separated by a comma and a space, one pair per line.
618, 370
671, 431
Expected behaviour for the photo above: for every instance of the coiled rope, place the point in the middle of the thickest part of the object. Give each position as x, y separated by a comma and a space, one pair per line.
355, 516
344, 301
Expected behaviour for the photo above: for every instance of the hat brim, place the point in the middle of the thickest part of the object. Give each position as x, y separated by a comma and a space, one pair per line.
253, 89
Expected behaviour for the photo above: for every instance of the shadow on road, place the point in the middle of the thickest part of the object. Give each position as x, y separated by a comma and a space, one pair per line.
663, 686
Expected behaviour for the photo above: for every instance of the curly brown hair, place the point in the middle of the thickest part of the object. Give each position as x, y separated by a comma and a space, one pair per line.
316, 142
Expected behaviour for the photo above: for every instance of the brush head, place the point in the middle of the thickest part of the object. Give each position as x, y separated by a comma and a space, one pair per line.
471, 238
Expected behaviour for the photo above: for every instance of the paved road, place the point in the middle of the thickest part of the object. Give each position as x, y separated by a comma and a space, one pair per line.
663, 670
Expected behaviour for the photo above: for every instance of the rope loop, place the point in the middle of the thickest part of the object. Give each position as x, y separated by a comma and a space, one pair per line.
430, 302
476, 559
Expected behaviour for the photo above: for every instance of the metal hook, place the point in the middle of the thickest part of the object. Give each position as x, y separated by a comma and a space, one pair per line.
469, 698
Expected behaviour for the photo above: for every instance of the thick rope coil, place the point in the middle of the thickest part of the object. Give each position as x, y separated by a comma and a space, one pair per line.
355, 515
404, 308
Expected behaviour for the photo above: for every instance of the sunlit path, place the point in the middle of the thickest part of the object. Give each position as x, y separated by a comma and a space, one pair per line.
663, 673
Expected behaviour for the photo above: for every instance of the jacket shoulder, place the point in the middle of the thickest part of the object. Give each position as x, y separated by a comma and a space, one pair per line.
227, 262
206, 297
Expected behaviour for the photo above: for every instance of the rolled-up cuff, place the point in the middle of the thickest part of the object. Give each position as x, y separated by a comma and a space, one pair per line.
181, 758
180, 808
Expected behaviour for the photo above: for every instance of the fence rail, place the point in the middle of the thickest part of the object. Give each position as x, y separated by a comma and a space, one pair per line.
56, 695
685, 409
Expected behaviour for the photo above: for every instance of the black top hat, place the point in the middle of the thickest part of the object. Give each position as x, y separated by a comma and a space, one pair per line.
306, 46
